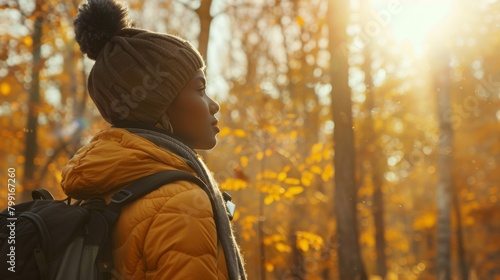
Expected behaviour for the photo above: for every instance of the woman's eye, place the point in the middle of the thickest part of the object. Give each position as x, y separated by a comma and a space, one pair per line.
202, 91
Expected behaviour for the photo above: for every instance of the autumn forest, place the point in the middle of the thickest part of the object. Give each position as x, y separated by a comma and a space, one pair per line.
360, 139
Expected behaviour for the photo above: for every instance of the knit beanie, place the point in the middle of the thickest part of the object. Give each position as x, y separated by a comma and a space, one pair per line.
137, 73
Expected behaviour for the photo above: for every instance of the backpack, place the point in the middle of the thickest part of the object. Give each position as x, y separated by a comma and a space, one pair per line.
53, 239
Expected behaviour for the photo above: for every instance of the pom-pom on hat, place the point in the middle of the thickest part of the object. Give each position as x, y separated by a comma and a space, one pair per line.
137, 73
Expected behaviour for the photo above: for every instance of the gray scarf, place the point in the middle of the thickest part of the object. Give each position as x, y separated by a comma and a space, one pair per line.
225, 235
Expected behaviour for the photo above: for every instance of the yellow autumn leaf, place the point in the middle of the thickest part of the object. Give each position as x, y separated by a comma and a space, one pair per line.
269, 152
272, 129
5, 88
300, 20
317, 148
424, 222
292, 181
270, 174
244, 161
295, 190
240, 184
321, 196
28, 41
327, 173
303, 244
259, 155
276, 197
367, 238
307, 178
269, 199
286, 168
283, 247
224, 131
316, 157
315, 241
316, 169
238, 149
327, 153
268, 240
281, 176
233, 184
269, 267
239, 133
306, 182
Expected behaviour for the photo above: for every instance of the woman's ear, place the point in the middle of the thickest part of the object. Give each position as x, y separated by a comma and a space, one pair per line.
164, 122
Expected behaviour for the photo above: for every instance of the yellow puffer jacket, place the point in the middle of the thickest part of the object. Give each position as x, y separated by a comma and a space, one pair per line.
169, 233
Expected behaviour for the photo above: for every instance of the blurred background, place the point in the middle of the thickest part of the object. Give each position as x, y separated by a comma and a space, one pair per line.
360, 138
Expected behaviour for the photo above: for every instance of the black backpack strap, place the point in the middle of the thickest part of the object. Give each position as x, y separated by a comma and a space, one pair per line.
150, 183
130, 194
41, 194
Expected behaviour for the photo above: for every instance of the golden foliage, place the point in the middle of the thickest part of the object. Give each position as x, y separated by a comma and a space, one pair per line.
307, 240
275, 150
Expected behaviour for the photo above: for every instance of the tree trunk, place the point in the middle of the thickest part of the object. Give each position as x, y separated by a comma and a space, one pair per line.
462, 262
31, 145
378, 215
350, 263
375, 155
205, 17
298, 271
262, 245
442, 76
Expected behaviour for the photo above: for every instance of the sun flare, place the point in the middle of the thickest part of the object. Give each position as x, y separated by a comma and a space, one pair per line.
412, 21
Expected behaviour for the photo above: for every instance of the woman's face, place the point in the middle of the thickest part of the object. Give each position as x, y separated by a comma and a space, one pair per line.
192, 115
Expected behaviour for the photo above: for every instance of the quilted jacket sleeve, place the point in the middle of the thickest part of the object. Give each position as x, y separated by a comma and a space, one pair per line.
168, 234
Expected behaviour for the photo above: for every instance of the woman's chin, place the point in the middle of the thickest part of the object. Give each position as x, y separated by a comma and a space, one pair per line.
207, 144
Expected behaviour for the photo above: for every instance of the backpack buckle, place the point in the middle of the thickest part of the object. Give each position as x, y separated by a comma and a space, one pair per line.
121, 196
230, 207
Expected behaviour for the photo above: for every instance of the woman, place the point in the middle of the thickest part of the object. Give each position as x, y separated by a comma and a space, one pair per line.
151, 88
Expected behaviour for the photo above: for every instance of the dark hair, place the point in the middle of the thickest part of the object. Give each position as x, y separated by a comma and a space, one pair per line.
97, 22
